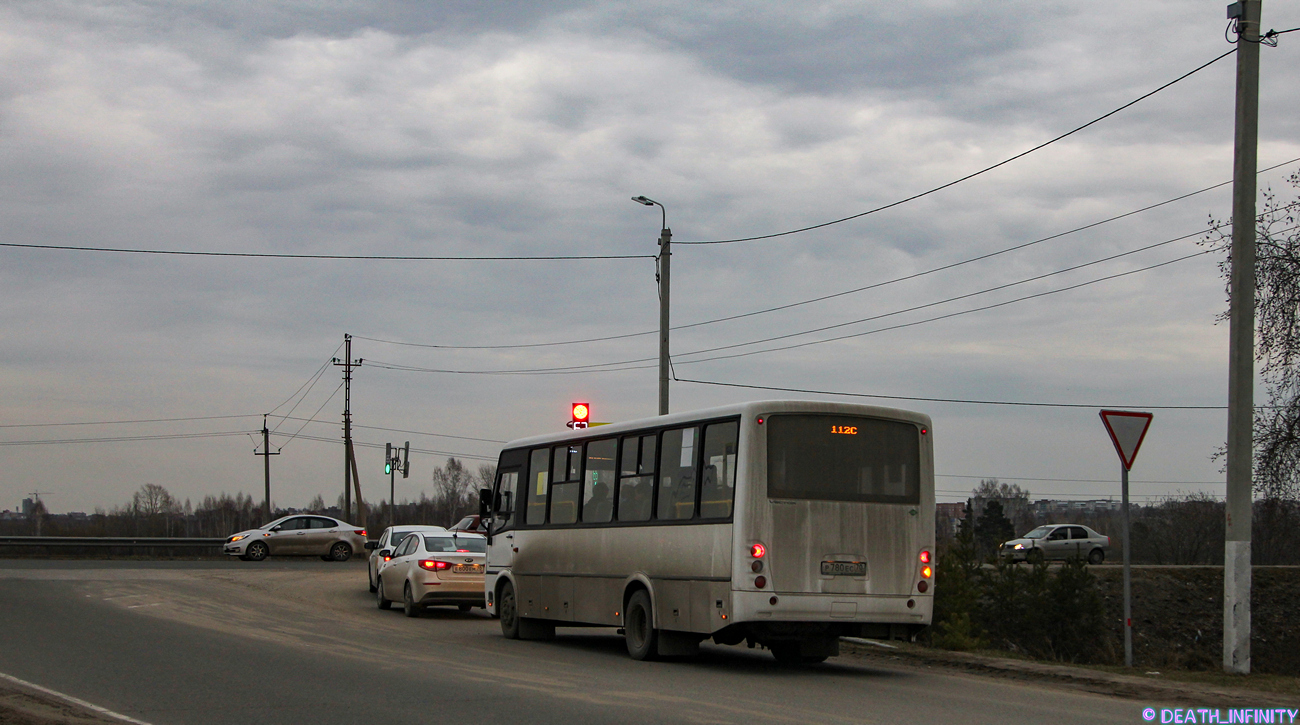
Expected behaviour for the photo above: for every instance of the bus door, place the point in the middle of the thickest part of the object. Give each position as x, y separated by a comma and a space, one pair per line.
500, 553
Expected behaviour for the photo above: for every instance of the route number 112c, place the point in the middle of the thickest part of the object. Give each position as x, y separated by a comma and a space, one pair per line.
846, 430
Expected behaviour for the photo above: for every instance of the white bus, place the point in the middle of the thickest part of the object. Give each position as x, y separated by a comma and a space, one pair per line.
787, 524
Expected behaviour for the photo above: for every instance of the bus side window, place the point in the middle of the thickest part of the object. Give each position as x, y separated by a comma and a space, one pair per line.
538, 479
565, 488
598, 481
718, 484
636, 478
677, 474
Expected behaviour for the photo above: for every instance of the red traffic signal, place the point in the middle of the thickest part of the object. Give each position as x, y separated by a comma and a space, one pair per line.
581, 415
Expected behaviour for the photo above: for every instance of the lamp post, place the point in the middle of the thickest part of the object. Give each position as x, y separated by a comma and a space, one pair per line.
665, 257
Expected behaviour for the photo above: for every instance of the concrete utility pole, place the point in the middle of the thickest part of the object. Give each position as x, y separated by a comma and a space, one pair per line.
349, 465
266, 461
665, 260
1241, 355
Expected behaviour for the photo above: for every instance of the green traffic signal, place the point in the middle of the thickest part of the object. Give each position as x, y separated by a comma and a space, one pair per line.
388, 467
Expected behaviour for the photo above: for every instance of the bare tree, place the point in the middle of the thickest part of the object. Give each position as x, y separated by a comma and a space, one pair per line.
1277, 329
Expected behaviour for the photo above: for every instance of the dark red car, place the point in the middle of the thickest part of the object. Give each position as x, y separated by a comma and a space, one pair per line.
473, 524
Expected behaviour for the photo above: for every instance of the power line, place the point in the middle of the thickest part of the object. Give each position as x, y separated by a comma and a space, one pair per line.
947, 316
353, 257
822, 298
309, 385
632, 363
400, 430
967, 177
956, 298
313, 415
122, 422
950, 400
127, 439
359, 444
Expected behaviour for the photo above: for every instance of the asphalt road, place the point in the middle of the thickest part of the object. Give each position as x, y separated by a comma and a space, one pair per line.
301, 641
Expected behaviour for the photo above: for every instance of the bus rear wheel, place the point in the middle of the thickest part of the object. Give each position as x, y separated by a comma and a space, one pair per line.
638, 627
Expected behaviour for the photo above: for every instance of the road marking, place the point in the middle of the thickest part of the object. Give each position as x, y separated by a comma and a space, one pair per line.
71, 699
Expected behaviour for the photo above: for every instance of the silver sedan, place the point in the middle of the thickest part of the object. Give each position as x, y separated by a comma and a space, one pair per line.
434, 568
1058, 541
298, 535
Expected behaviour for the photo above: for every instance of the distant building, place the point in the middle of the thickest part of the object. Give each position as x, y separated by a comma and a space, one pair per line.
947, 518
28, 505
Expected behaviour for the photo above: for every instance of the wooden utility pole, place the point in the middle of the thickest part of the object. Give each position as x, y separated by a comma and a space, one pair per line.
349, 460
1241, 354
266, 461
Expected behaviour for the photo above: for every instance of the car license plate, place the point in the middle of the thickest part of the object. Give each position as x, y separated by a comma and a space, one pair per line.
467, 568
844, 568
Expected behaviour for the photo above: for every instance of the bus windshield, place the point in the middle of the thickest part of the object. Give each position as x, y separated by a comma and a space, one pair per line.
842, 458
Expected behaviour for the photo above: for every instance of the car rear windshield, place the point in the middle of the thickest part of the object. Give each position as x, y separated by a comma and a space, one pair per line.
437, 544
843, 458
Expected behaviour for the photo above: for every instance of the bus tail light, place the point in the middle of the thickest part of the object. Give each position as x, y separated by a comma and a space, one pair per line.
926, 572
757, 551
432, 565
925, 557
922, 585
760, 581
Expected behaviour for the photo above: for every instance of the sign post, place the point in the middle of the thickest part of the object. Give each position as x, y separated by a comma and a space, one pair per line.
1127, 429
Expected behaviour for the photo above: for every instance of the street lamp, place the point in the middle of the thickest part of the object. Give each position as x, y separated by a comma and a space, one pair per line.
664, 258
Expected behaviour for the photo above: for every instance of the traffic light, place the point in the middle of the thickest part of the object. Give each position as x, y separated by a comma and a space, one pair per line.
388, 458
406, 460
581, 415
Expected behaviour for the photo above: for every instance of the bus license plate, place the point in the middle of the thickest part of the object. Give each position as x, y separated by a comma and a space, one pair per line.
467, 568
844, 568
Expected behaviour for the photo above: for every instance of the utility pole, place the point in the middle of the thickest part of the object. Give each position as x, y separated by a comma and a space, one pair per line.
1241, 354
266, 461
349, 465
665, 260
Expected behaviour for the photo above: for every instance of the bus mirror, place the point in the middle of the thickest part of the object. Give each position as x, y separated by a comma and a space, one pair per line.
484, 502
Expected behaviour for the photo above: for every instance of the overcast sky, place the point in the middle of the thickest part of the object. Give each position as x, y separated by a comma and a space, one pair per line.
503, 128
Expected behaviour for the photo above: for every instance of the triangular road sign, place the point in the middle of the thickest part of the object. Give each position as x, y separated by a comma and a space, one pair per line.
1127, 428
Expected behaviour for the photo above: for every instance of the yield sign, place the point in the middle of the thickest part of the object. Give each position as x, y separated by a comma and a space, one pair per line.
1127, 428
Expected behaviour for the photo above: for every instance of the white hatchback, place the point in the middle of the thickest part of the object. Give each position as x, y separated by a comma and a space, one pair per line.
382, 549
430, 569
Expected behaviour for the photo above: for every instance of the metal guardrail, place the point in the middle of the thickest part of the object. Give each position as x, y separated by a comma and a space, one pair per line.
112, 541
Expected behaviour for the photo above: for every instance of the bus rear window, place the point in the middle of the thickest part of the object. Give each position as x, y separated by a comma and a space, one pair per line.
841, 458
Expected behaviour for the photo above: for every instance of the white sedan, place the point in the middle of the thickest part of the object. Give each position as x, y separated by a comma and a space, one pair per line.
429, 569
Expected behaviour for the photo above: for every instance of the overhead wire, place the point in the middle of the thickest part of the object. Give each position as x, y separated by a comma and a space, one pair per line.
311, 383
633, 364
972, 175
401, 430
949, 315
426, 451
313, 415
126, 439
130, 421
349, 257
874, 285
967, 401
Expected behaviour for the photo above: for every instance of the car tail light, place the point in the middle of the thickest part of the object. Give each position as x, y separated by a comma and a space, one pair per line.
433, 565
757, 551
388, 558
925, 557
361, 532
